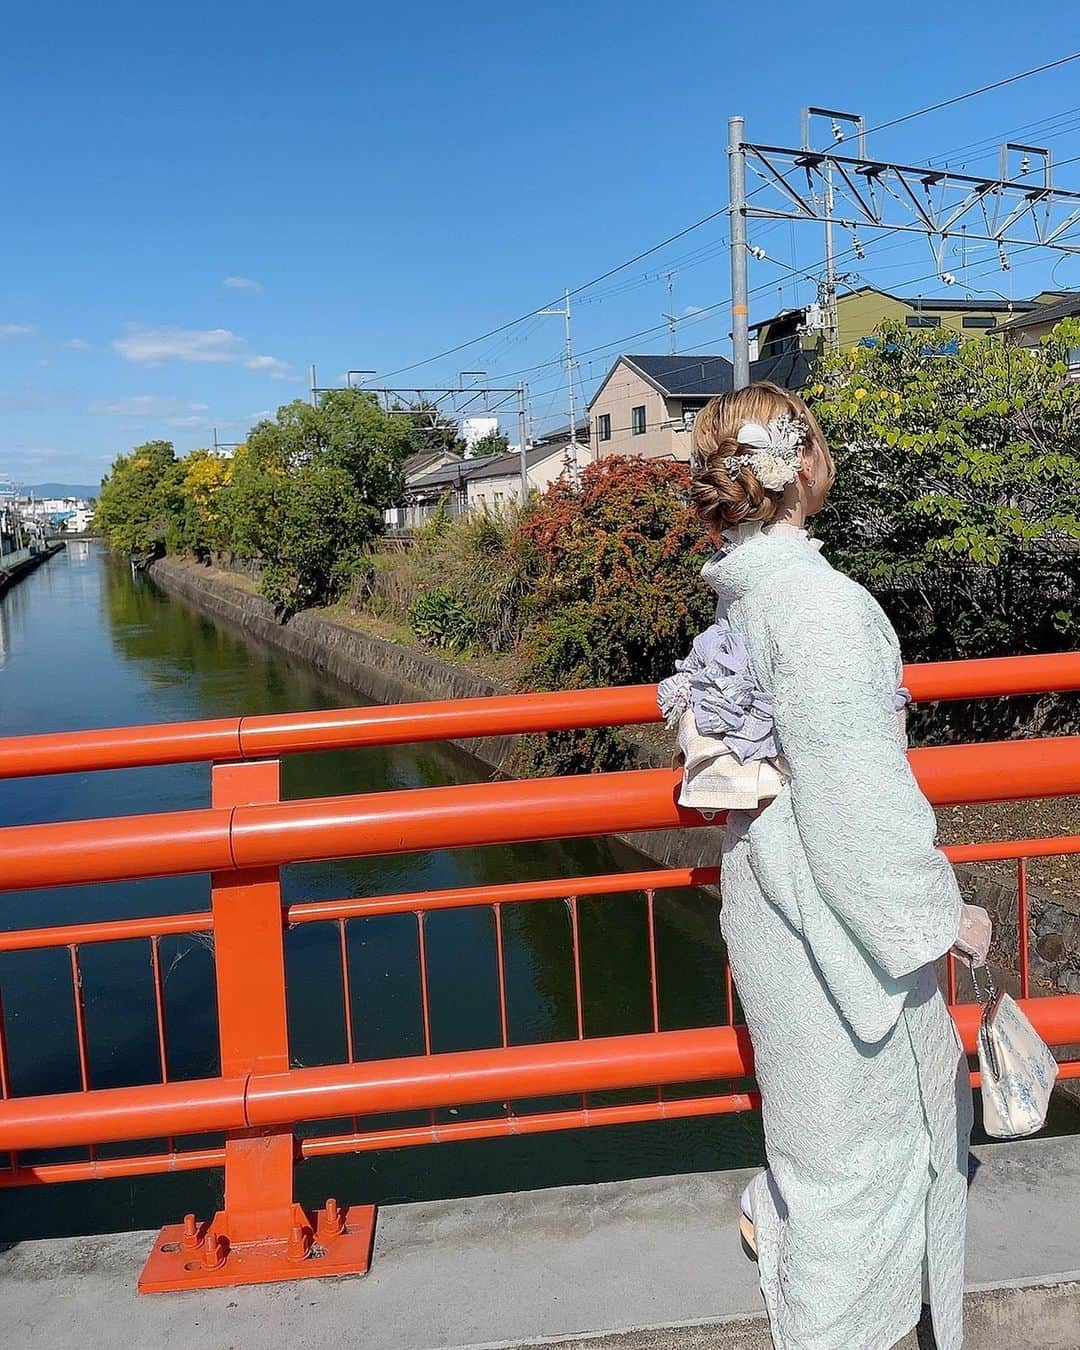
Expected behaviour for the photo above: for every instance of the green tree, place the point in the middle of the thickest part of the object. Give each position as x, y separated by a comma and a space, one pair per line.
957, 497
309, 491
428, 427
133, 507
494, 443
194, 486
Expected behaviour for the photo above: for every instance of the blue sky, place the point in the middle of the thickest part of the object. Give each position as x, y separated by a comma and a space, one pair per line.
203, 199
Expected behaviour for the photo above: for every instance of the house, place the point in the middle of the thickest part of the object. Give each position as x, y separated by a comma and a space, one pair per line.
413, 468
496, 482
1027, 329
860, 312
646, 405
424, 492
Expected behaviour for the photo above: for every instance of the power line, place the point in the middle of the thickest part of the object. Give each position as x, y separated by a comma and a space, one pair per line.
595, 281
972, 93
714, 215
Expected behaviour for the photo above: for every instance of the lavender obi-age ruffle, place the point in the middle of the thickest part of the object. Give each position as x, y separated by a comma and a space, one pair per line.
715, 680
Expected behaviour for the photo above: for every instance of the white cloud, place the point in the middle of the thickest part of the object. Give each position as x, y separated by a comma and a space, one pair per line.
14, 330
242, 284
277, 370
149, 346
692, 309
149, 405
191, 421
78, 344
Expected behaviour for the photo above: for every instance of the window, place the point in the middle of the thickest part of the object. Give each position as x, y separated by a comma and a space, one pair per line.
690, 409
637, 420
603, 426
979, 321
922, 321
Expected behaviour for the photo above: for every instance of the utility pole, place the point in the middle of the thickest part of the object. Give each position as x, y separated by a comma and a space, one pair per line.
314, 387
572, 448
740, 315
828, 290
671, 316
523, 439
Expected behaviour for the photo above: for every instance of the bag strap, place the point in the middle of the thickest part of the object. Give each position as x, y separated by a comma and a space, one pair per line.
985, 1000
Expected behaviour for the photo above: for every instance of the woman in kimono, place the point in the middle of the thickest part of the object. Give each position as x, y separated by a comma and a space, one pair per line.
836, 903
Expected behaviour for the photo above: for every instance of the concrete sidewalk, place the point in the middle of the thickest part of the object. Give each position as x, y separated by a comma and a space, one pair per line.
638, 1264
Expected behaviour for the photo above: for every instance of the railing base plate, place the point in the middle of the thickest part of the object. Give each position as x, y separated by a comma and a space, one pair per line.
175, 1263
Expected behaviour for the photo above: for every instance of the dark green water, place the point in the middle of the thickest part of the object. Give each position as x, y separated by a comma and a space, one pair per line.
83, 644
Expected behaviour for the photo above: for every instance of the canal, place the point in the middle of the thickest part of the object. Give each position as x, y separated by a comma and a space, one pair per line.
85, 644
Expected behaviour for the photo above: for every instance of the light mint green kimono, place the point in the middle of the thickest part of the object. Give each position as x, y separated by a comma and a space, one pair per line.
835, 905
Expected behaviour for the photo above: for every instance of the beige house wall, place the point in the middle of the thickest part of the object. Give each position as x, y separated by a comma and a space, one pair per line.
494, 494
624, 390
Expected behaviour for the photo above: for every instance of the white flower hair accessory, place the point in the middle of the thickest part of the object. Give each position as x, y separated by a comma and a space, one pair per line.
771, 452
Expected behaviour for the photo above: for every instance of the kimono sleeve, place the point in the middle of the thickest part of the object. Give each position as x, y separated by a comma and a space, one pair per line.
867, 830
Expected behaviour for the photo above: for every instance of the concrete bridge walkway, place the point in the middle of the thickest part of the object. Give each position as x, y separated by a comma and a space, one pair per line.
635, 1265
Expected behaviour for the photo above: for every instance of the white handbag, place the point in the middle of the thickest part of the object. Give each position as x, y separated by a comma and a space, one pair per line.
1015, 1065
713, 778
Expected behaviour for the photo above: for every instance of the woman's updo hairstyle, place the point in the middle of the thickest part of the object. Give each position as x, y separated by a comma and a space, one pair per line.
726, 495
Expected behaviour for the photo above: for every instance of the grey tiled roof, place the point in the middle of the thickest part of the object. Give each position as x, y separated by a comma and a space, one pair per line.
482, 466
1065, 308
683, 375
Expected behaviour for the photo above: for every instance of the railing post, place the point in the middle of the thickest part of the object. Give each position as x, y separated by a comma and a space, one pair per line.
262, 1234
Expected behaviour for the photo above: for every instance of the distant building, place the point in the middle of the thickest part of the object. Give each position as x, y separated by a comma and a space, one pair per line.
475, 429
646, 405
860, 312
496, 482
58, 515
1029, 328
416, 467
483, 483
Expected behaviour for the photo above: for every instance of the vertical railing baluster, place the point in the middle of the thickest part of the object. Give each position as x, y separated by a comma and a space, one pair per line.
425, 1003
500, 958
575, 937
654, 981
80, 1029
579, 1001
159, 1011
5, 1077
504, 1021
654, 978
346, 997
1023, 917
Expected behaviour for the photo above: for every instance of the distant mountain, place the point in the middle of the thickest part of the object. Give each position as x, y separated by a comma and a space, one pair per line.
62, 489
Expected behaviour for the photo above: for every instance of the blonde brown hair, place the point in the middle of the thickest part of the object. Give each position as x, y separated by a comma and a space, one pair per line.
727, 497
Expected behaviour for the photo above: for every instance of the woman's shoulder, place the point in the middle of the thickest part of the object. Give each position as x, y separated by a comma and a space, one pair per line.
806, 604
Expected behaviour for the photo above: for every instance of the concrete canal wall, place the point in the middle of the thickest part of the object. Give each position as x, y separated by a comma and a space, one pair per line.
390, 672
15, 566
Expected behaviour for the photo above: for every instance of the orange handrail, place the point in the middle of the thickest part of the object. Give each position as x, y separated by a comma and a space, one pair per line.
417, 1082
126, 848
501, 715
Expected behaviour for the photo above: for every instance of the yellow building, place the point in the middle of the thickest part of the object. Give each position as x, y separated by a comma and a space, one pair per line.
860, 312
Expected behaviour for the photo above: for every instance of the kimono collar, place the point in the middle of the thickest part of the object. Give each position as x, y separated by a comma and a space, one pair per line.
751, 552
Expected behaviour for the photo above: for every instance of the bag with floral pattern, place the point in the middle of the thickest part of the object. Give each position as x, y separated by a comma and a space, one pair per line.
1016, 1066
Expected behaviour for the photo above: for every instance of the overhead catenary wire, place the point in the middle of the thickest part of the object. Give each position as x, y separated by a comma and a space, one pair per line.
714, 215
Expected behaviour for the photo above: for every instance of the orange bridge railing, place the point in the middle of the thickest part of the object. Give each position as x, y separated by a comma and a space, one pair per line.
247, 834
